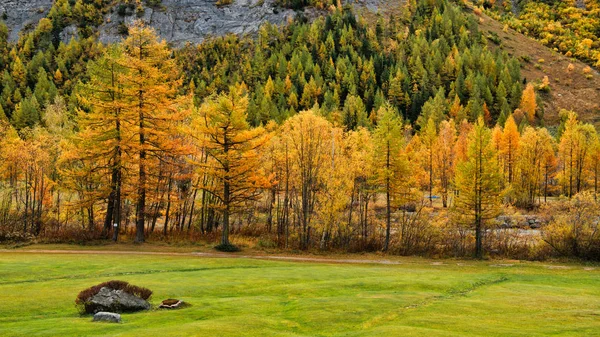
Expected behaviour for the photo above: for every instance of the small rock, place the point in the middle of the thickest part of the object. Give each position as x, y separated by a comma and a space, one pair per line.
104, 316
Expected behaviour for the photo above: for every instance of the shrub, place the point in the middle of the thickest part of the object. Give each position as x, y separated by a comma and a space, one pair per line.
266, 242
69, 234
492, 36
13, 236
545, 85
227, 248
525, 58
575, 230
122, 29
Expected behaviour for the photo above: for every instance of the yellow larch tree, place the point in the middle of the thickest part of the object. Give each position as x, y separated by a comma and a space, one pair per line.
445, 158
528, 102
477, 183
509, 146
233, 149
150, 92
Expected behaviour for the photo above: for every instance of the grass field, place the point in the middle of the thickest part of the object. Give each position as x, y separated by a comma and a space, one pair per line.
251, 297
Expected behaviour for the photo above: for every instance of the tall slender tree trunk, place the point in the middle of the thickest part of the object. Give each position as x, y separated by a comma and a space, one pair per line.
189, 225
168, 210
141, 202
388, 207
226, 195
117, 207
478, 205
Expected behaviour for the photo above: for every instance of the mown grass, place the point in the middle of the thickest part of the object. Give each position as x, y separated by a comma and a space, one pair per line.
249, 297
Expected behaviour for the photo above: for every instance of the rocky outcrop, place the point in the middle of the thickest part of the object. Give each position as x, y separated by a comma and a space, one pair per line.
110, 317
19, 15
176, 21
112, 300
181, 21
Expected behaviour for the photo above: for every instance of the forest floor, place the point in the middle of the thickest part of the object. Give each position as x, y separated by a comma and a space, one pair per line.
310, 296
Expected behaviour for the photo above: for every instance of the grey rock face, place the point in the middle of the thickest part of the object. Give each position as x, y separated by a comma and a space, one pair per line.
107, 317
23, 13
115, 300
181, 21
176, 21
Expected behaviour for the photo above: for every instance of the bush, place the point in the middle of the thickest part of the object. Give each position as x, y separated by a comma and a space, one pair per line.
122, 29
266, 242
574, 231
227, 248
492, 36
14, 236
69, 234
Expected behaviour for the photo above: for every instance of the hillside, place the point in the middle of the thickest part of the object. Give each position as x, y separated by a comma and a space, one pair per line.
569, 89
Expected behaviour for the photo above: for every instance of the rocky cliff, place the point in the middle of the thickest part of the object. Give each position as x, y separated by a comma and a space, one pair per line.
177, 21
19, 14
180, 21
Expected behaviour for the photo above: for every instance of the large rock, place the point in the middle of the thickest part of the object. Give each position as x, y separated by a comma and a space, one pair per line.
111, 300
103, 316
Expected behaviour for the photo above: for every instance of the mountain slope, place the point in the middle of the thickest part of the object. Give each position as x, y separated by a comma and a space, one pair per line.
575, 87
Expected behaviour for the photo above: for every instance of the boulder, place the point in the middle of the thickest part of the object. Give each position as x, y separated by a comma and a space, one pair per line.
110, 300
104, 316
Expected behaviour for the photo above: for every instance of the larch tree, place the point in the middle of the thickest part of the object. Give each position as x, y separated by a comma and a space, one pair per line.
360, 147
102, 134
150, 92
528, 102
549, 160
232, 147
392, 166
445, 158
529, 165
477, 182
429, 139
509, 146
575, 146
594, 164
307, 139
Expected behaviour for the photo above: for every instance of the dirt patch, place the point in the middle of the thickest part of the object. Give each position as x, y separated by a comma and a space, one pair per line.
209, 255
558, 267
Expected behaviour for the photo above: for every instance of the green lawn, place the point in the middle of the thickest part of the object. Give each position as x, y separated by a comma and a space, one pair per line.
249, 297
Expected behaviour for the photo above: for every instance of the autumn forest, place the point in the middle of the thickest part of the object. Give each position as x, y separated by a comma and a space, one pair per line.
407, 134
